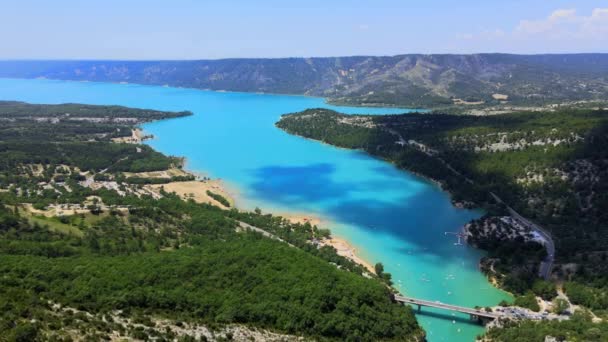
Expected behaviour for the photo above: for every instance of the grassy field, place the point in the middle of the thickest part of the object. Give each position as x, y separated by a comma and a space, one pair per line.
54, 224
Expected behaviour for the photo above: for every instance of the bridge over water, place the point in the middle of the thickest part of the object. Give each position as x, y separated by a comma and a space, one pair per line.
479, 315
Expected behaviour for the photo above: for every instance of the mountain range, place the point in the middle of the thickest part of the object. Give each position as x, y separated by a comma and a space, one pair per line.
406, 80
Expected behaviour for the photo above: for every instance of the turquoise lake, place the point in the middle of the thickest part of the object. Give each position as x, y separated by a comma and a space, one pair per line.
390, 216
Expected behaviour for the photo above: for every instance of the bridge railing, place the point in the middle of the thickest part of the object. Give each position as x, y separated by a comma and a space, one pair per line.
461, 309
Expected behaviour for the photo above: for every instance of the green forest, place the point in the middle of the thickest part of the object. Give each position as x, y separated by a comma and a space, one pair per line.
141, 267
206, 273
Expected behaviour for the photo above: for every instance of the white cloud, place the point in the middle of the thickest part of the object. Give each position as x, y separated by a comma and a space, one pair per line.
563, 13
597, 23
561, 30
555, 19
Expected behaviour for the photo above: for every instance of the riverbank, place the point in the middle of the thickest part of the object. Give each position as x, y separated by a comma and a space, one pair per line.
345, 249
301, 218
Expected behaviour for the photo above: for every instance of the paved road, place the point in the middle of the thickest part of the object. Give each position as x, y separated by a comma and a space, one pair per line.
546, 265
462, 309
544, 270
245, 226
118, 161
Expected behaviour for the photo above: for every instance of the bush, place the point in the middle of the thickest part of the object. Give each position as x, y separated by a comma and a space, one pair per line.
527, 301
219, 198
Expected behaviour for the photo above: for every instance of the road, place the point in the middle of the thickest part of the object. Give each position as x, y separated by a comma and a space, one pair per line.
481, 315
461, 309
118, 161
246, 226
544, 270
546, 265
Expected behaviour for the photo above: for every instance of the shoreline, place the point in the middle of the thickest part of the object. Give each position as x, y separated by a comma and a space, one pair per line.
300, 218
421, 176
342, 245
326, 100
338, 103
347, 250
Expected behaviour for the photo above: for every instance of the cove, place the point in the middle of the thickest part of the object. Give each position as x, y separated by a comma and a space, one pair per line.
391, 216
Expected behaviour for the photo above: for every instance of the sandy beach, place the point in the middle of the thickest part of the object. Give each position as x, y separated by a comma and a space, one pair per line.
301, 218
196, 190
342, 246
135, 138
348, 251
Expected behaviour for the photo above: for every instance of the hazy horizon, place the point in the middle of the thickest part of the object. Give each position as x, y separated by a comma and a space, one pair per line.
288, 57
194, 30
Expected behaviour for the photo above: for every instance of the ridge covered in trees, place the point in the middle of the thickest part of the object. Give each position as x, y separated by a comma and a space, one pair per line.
414, 80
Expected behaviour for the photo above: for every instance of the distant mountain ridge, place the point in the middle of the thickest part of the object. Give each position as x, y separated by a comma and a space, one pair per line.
405, 80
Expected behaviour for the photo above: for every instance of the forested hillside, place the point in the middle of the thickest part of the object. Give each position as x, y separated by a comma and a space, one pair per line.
89, 254
551, 167
405, 80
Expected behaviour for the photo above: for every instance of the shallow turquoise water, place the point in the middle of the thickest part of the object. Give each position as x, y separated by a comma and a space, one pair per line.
389, 215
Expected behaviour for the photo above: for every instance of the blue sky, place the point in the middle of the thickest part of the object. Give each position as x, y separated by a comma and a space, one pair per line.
197, 29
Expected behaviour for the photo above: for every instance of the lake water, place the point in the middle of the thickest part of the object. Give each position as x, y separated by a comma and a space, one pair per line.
391, 216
